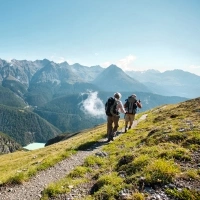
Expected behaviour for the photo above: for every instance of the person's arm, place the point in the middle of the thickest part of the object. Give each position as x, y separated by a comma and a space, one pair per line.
139, 104
121, 107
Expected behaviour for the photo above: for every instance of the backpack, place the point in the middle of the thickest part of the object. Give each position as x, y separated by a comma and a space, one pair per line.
131, 105
111, 107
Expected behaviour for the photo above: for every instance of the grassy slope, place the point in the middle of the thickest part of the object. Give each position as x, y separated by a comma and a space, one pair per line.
20, 166
154, 150
155, 153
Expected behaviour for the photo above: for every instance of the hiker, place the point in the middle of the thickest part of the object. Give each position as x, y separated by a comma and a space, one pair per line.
131, 106
113, 108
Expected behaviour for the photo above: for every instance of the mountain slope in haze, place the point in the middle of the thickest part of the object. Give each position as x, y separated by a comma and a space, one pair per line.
169, 83
31, 77
9, 98
20, 70
86, 73
114, 79
24, 126
55, 73
55, 80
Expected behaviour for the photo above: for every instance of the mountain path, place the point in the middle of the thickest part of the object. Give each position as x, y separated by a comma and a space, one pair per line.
32, 189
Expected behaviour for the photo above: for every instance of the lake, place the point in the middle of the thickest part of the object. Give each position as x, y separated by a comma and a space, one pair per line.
34, 146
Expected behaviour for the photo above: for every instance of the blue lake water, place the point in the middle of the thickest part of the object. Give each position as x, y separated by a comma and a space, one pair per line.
34, 146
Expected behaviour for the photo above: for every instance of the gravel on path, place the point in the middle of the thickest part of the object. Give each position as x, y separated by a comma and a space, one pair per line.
32, 189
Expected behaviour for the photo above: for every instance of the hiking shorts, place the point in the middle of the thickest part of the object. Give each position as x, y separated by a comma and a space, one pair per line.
129, 117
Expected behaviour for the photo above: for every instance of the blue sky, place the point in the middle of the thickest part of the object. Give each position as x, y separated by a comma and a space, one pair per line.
133, 34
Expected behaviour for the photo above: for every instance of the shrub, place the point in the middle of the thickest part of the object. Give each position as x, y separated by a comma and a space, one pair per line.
184, 194
138, 196
160, 172
179, 153
93, 160
79, 171
107, 184
17, 179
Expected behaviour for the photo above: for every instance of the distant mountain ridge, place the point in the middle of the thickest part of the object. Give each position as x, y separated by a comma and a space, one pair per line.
169, 83
115, 79
35, 74
86, 73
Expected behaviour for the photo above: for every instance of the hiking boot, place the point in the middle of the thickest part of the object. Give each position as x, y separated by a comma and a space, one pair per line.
108, 140
125, 130
111, 137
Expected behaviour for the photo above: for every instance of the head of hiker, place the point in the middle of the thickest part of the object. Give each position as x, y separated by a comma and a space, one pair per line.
117, 95
134, 96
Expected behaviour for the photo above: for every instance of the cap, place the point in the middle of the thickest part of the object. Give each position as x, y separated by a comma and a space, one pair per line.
134, 96
117, 95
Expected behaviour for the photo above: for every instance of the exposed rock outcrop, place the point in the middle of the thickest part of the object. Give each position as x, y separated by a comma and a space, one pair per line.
8, 145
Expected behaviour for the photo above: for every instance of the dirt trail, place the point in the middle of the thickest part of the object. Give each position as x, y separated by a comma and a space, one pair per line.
32, 189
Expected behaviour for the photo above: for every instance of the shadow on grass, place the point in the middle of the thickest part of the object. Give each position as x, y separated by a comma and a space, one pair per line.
91, 145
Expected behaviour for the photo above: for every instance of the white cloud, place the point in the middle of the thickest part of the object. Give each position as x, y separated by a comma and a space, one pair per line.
93, 105
57, 59
194, 69
124, 63
127, 62
106, 64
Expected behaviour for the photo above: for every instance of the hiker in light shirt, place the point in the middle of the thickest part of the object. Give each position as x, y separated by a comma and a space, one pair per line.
113, 119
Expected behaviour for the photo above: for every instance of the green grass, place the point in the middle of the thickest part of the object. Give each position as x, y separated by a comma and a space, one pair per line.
150, 150
184, 194
20, 166
148, 155
160, 172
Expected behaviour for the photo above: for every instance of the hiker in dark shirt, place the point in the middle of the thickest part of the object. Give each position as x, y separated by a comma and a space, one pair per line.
113, 117
131, 106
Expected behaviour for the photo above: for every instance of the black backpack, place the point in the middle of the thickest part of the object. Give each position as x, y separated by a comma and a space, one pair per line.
111, 107
131, 105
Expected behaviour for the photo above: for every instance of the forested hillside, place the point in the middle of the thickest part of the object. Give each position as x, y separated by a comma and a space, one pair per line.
9, 98
67, 114
25, 126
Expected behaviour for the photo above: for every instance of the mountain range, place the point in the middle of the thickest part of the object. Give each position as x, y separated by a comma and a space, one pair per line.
169, 83
47, 98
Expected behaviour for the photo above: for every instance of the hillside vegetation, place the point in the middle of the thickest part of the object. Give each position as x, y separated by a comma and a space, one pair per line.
159, 154
21, 165
25, 126
8, 98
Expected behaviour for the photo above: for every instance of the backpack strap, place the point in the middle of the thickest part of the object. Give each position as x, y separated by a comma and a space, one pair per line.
113, 108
